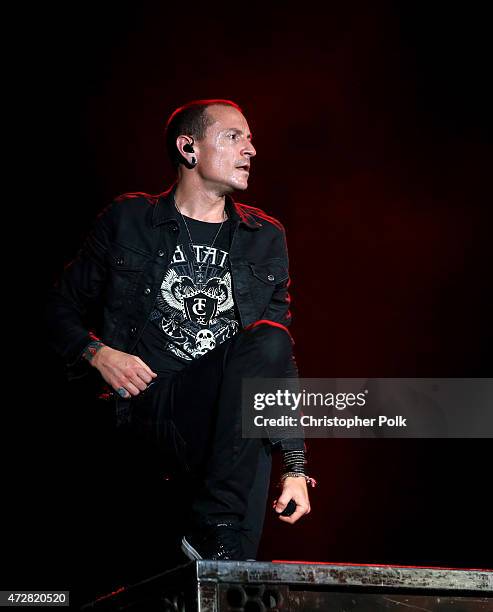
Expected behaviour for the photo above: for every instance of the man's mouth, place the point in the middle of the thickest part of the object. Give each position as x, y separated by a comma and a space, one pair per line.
244, 167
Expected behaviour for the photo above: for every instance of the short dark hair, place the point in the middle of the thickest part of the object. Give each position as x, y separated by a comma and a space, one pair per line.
190, 119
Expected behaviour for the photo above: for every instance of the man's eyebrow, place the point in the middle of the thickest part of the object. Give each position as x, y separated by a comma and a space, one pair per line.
238, 131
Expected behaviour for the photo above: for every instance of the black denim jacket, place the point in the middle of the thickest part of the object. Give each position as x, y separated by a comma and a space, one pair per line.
122, 263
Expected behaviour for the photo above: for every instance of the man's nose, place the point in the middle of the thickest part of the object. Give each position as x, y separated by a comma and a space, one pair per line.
249, 150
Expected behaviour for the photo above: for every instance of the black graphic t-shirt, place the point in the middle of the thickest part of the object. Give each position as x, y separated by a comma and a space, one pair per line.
194, 309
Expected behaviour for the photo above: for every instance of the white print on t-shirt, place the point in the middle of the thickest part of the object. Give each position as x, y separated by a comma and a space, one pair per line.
203, 254
197, 305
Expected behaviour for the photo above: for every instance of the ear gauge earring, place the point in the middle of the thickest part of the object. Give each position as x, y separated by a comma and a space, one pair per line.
193, 161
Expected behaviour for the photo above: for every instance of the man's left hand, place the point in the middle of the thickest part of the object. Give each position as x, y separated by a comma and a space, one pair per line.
293, 488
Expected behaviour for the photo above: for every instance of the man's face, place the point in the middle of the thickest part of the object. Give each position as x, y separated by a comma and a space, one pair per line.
225, 152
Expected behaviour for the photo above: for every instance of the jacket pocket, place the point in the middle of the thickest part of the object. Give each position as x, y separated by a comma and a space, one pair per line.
125, 266
263, 278
125, 258
271, 272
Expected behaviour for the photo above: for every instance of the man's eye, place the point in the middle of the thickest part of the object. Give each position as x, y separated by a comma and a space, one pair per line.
233, 136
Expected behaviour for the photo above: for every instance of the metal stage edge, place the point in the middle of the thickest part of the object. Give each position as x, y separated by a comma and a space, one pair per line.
213, 586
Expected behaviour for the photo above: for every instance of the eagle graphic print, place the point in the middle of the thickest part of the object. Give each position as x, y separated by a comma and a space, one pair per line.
195, 303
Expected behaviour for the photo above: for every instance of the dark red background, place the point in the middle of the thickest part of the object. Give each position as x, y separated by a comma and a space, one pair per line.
372, 124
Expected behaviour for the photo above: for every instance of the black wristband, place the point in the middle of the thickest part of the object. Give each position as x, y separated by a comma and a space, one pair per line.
293, 461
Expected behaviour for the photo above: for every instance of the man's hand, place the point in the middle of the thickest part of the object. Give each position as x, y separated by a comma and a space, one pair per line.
293, 488
122, 371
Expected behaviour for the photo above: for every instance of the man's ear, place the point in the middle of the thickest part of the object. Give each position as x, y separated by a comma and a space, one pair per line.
184, 144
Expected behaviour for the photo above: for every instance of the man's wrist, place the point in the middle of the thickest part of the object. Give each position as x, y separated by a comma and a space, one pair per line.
293, 462
293, 466
91, 351
308, 479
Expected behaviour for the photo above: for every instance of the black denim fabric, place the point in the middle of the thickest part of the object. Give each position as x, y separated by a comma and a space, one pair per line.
194, 420
122, 263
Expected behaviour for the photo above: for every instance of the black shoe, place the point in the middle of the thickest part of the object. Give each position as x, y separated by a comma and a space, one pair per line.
218, 541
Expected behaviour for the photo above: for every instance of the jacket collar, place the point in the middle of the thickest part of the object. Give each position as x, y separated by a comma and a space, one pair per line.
165, 211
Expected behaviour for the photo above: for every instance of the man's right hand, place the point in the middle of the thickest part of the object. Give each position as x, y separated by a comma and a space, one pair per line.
123, 372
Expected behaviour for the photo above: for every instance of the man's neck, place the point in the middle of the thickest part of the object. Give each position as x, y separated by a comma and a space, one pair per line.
199, 203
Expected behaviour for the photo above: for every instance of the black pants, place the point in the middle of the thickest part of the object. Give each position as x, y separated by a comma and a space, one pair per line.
193, 418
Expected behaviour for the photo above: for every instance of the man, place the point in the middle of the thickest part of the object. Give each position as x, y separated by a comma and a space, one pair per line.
194, 291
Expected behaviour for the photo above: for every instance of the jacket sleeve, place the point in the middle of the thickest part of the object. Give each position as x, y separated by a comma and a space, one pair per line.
78, 287
278, 309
